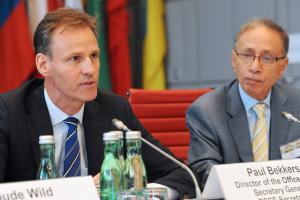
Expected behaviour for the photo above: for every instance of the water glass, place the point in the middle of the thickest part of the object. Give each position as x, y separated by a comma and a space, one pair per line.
130, 195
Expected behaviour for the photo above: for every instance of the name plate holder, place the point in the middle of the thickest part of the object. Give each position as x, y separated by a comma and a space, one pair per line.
270, 180
75, 188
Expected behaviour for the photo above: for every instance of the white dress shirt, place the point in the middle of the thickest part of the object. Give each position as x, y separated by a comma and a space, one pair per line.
249, 102
60, 130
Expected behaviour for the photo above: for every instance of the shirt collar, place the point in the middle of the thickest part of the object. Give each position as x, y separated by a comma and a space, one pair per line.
57, 115
249, 101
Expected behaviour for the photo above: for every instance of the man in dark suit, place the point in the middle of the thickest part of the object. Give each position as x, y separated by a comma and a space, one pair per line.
225, 126
67, 55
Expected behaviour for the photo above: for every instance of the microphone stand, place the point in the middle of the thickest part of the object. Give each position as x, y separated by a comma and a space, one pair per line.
198, 192
120, 125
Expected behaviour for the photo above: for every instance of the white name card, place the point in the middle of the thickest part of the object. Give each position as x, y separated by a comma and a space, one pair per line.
75, 188
271, 180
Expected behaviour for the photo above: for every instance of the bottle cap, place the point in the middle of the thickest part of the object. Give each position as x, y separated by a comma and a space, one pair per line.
46, 139
111, 135
120, 134
133, 135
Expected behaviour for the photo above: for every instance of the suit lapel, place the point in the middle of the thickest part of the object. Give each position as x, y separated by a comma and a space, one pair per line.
238, 123
37, 120
279, 126
95, 124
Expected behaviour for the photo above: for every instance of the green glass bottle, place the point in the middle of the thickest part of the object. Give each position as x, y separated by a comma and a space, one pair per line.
111, 174
47, 168
121, 150
135, 173
121, 154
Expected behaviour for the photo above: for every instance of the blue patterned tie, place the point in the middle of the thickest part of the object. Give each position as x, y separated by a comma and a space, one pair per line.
72, 149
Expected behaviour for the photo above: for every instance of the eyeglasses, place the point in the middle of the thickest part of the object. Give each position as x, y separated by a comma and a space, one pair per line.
264, 59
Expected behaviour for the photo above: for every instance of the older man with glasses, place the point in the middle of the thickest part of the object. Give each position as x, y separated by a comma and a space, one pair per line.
242, 121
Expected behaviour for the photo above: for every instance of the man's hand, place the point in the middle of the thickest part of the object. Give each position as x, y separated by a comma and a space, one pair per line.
97, 180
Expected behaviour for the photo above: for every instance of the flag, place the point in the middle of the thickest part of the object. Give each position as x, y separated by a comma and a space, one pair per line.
78, 4
54, 4
137, 13
96, 8
154, 50
118, 45
37, 9
16, 51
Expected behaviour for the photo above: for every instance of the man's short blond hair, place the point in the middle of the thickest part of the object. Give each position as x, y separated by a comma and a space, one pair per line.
62, 17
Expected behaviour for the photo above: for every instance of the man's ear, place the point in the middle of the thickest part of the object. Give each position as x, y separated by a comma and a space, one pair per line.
42, 64
283, 66
233, 60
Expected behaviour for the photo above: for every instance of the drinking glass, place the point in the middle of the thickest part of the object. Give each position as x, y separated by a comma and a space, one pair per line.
155, 194
130, 195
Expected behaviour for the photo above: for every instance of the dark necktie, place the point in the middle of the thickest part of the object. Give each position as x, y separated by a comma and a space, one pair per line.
72, 149
259, 141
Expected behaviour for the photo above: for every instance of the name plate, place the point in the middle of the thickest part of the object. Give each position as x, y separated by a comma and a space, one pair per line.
75, 188
271, 180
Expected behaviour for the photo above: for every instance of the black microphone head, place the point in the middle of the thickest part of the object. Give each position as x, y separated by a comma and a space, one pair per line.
285, 115
290, 117
119, 124
114, 121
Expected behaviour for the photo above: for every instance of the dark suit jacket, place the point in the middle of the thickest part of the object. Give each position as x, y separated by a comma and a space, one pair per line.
24, 117
219, 127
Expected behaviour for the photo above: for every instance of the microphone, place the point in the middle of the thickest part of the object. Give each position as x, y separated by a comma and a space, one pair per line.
290, 117
121, 126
